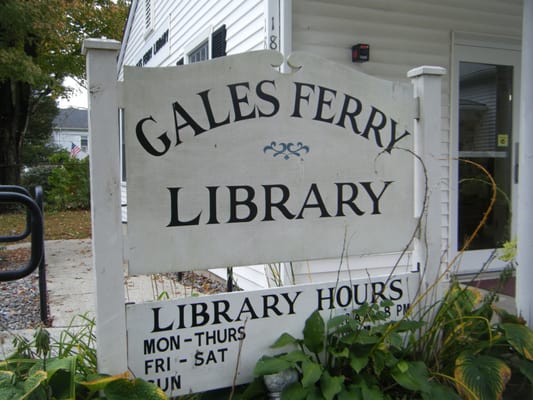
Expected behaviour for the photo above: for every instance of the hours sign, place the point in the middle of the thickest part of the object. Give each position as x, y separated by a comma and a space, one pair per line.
202, 343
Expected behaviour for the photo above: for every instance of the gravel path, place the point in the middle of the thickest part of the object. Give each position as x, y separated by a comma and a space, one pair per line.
19, 300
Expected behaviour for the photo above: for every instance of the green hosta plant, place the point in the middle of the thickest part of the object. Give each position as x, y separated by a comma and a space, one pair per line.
460, 355
487, 351
356, 356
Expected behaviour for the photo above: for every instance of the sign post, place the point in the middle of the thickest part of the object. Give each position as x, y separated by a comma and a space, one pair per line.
107, 240
427, 82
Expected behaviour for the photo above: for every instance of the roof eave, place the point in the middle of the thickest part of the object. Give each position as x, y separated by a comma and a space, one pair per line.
125, 37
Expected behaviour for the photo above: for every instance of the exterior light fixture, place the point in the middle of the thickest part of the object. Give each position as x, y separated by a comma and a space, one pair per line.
361, 53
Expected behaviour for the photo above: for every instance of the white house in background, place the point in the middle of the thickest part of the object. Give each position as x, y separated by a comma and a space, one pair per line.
70, 127
477, 41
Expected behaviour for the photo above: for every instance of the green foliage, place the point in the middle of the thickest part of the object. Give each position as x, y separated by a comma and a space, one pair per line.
363, 355
69, 183
37, 176
481, 376
46, 369
476, 346
40, 41
508, 253
135, 389
65, 181
40, 45
356, 356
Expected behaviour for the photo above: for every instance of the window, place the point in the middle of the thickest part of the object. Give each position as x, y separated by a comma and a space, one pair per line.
84, 144
205, 46
201, 53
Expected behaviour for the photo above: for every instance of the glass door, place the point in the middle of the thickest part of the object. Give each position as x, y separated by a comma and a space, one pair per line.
486, 112
485, 139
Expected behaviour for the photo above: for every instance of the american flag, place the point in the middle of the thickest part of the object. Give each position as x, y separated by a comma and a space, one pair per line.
74, 150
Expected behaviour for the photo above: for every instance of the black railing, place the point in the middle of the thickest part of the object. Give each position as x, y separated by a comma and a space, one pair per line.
35, 228
27, 231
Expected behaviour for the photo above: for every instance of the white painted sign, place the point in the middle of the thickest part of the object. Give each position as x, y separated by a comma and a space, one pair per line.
230, 162
178, 343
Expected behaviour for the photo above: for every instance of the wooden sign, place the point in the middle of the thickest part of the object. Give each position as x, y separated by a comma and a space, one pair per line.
230, 162
177, 344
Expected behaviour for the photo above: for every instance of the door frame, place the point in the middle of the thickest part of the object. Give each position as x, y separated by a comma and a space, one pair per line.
476, 48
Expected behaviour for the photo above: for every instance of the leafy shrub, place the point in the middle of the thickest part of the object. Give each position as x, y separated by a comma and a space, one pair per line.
37, 176
69, 183
462, 354
44, 369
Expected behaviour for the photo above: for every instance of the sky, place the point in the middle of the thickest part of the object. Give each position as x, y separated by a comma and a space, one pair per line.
78, 98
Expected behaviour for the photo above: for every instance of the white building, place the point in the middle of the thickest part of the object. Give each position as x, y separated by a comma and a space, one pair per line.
479, 43
70, 127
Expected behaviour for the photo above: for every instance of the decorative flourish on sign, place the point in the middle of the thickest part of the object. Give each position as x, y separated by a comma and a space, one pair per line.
286, 149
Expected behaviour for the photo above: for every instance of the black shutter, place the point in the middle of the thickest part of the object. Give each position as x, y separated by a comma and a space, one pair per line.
218, 42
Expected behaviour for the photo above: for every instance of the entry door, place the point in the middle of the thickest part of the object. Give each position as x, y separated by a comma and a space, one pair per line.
486, 96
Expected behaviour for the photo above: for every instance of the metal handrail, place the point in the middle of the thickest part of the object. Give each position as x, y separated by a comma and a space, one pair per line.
27, 232
43, 292
37, 234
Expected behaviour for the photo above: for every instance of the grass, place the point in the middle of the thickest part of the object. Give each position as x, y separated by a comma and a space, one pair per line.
74, 224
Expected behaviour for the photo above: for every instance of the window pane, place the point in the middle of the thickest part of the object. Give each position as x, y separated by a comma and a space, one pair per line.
84, 143
485, 137
199, 54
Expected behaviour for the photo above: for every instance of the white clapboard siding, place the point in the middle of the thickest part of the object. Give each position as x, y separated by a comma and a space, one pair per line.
303, 272
191, 22
246, 278
402, 34
351, 268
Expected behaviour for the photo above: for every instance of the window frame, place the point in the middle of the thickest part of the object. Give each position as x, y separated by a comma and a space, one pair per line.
196, 55
205, 37
84, 143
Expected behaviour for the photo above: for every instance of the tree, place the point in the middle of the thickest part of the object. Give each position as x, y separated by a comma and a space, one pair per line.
40, 45
37, 146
